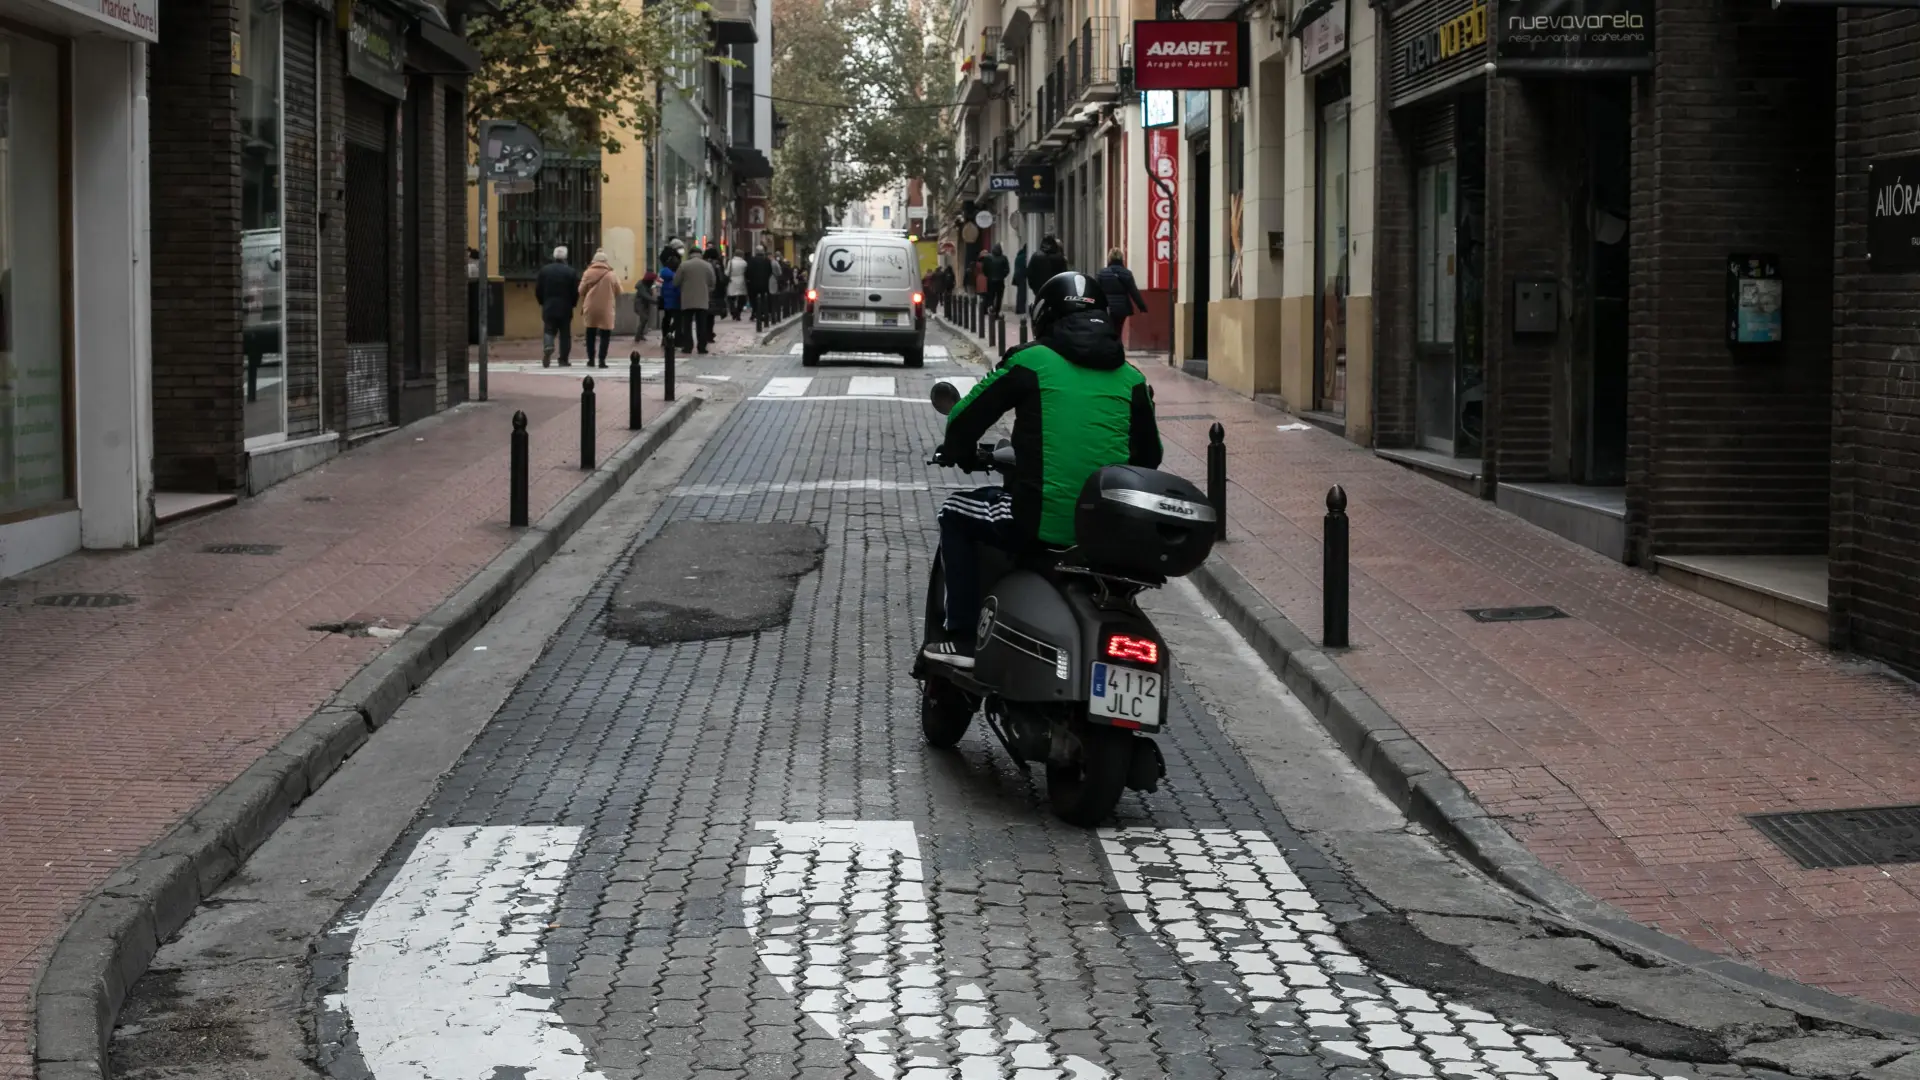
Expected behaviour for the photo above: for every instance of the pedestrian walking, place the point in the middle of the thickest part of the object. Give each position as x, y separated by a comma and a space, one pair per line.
736, 286
717, 300
1042, 267
759, 277
1123, 294
599, 298
694, 324
645, 296
557, 290
671, 327
996, 269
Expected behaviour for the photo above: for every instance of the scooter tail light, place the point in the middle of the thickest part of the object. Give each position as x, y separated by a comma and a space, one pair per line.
1138, 649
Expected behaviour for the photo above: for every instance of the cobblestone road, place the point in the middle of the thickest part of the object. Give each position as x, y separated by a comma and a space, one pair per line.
736, 858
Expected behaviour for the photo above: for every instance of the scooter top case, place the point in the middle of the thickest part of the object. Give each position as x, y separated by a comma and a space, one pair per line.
1040, 641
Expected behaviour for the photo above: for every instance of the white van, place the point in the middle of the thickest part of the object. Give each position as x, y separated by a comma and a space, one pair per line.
863, 295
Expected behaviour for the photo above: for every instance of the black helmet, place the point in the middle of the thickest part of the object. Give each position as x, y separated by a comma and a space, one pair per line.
1062, 295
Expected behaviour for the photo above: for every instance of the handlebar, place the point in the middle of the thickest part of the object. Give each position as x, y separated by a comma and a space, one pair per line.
986, 456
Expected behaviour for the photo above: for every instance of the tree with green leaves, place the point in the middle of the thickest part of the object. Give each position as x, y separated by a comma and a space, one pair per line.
865, 87
567, 67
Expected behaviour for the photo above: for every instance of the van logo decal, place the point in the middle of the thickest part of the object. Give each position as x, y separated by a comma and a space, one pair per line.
841, 259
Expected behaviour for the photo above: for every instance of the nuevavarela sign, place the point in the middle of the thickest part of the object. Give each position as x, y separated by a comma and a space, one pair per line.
1573, 37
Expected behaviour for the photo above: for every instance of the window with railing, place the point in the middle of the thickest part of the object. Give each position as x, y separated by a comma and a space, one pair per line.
564, 209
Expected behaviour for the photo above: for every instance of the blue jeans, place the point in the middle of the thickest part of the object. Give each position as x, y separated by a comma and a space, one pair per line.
968, 519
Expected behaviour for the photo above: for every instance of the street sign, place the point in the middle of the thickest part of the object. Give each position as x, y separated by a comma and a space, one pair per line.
1003, 182
510, 151
1191, 54
1036, 189
984, 219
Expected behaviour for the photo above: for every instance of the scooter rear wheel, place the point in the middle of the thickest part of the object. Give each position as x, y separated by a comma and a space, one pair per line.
946, 712
1084, 792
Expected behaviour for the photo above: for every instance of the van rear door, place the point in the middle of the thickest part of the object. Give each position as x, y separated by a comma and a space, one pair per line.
892, 278
840, 282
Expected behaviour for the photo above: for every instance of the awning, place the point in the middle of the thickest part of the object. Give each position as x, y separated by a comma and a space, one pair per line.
425, 11
748, 163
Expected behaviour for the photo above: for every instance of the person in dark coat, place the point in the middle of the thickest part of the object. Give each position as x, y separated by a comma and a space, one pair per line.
1042, 267
557, 290
1123, 294
1020, 280
997, 269
717, 301
760, 283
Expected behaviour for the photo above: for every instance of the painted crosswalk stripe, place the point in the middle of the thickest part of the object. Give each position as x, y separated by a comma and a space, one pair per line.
870, 386
962, 383
448, 978
787, 386
936, 352
797, 349
1225, 896
840, 917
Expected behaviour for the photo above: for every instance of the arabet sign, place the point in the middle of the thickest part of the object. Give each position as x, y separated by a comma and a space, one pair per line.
1200, 54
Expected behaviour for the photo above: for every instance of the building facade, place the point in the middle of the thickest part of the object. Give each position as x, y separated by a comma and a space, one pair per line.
309, 241
76, 430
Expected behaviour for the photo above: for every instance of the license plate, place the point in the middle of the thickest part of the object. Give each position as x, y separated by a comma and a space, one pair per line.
840, 316
1124, 693
889, 319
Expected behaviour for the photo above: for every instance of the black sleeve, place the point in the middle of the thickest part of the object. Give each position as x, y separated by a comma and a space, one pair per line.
1143, 435
996, 396
1133, 288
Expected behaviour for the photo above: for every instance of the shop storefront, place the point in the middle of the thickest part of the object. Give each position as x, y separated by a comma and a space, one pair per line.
73, 405
1437, 53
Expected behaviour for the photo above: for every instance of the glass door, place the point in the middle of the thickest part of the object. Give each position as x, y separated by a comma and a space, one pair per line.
1436, 293
1331, 241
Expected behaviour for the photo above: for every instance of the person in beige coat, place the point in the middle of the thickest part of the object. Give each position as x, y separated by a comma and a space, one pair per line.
599, 292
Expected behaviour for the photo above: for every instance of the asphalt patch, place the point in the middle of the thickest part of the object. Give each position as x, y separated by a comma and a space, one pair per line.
161, 1030
1394, 947
701, 580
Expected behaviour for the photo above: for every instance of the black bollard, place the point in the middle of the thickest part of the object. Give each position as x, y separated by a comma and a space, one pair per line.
1217, 479
1000, 331
588, 424
634, 418
666, 354
1333, 597
517, 473
1023, 331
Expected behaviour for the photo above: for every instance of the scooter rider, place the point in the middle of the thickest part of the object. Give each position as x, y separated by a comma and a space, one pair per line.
1077, 406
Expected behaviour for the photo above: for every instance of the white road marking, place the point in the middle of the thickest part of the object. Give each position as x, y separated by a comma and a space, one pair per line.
715, 378
442, 964
870, 386
1219, 895
937, 352
797, 349
962, 383
735, 491
839, 913
786, 386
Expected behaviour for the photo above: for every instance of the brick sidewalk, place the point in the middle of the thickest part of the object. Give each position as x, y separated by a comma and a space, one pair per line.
116, 722
1622, 745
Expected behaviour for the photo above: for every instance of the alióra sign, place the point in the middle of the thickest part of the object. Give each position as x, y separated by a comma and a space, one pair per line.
1893, 201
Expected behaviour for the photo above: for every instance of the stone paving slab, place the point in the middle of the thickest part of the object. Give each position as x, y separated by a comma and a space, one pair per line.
117, 722
1623, 745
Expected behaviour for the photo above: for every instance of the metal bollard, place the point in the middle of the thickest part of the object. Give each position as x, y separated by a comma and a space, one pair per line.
588, 424
634, 418
1217, 478
1333, 596
666, 354
1000, 331
517, 473
1023, 331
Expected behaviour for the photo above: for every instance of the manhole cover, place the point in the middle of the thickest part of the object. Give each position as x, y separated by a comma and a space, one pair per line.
83, 600
1869, 836
1515, 614
241, 549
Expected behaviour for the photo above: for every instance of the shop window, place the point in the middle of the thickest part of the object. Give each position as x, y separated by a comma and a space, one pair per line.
262, 265
35, 411
1236, 180
1334, 250
1435, 264
564, 209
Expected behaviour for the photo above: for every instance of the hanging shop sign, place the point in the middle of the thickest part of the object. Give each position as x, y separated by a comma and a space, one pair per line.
1893, 229
1036, 189
1163, 194
1754, 292
1436, 45
1156, 108
377, 51
1199, 112
1573, 37
1322, 33
1207, 54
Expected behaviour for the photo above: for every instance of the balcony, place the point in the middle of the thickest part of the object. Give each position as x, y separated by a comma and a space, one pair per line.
1085, 77
1097, 52
733, 22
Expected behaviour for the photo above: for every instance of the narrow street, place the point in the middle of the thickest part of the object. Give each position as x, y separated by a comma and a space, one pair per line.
701, 836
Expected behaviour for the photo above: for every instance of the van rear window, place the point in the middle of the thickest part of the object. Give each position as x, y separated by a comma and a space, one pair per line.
841, 264
890, 268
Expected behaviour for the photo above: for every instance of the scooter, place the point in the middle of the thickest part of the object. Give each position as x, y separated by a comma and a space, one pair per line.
1068, 670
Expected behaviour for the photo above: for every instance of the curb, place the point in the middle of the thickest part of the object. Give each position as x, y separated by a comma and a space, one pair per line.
112, 940
767, 334
1427, 792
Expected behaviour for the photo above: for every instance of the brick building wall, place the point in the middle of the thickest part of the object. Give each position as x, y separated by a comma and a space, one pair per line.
1394, 419
198, 418
454, 209
1732, 153
1875, 587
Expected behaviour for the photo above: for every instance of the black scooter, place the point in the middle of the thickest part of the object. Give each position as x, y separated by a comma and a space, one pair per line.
1068, 670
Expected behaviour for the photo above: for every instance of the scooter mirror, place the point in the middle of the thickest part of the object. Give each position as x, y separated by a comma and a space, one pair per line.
944, 397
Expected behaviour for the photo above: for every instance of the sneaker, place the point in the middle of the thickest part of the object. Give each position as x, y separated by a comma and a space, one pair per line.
951, 653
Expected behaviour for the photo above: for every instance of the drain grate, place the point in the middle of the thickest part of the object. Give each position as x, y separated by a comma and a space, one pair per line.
1869, 836
241, 549
1515, 614
83, 600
